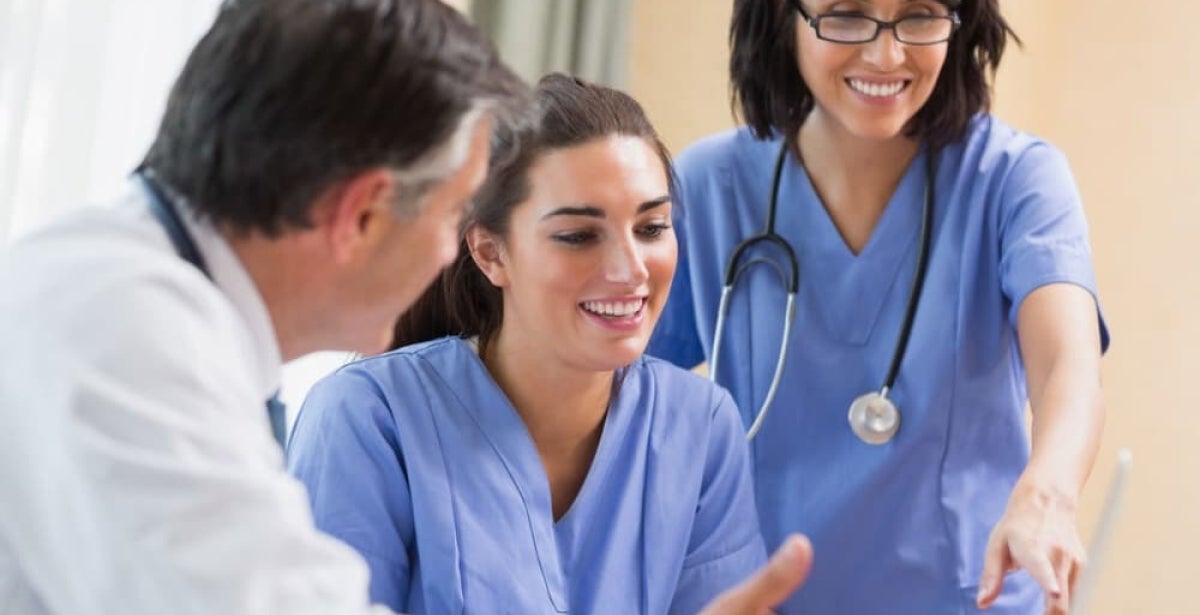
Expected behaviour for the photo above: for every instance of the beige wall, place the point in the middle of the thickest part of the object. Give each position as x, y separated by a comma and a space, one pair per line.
1115, 86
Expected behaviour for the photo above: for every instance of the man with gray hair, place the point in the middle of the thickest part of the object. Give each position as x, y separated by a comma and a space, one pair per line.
304, 187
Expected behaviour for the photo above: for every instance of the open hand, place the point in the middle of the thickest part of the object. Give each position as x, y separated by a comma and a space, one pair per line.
771, 585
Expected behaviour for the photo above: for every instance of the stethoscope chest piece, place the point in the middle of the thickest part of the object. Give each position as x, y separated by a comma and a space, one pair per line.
874, 418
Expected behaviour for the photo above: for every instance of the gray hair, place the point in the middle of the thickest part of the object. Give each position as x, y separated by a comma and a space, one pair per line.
415, 181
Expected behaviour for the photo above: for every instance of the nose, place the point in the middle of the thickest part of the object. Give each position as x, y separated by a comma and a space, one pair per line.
625, 264
885, 52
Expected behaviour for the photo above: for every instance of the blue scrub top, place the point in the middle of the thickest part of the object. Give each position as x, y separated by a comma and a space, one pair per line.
902, 527
417, 459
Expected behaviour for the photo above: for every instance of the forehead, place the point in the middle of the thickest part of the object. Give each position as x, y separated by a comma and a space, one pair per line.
613, 170
878, 4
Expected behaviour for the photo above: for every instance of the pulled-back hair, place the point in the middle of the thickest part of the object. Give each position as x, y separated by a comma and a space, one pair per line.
766, 85
567, 112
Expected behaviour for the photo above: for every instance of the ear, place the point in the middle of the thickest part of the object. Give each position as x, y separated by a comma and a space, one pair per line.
354, 216
488, 253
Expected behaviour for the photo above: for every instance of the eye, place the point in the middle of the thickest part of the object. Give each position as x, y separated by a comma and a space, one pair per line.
575, 238
653, 230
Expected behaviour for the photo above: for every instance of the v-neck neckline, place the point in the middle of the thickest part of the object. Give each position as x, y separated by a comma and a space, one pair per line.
500, 426
504, 430
851, 289
900, 211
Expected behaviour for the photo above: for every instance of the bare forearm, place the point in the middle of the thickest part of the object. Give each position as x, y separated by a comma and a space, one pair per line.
1060, 343
1068, 418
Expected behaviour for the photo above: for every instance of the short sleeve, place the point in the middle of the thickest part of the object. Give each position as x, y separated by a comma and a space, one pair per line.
1043, 232
344, 449
676, 337
726, 545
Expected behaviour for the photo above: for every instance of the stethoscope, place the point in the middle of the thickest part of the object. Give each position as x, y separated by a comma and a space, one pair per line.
162, 206
873, 417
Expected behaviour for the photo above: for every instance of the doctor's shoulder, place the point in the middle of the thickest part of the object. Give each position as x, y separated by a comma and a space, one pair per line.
94, 272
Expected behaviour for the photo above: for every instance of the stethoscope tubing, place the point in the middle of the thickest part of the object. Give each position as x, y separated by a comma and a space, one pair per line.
791, 279
162, 207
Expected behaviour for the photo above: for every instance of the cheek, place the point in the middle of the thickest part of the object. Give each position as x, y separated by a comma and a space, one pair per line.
542, 275
438, 238
448, 242
567, 274
661, 258
817, 59
931, 60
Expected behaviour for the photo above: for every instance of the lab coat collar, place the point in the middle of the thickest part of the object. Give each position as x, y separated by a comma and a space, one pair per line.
231, 277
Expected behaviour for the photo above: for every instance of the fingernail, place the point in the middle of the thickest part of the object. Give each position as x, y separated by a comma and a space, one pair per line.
984, 588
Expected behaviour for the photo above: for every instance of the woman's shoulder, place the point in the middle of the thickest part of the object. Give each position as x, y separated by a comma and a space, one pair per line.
726, 150
438, 356
685, 391
687, 413
992, 146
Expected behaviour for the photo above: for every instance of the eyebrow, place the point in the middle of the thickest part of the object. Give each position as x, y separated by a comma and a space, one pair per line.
591, 211
872, 2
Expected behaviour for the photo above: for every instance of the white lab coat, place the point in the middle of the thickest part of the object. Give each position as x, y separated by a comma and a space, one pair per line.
138, 473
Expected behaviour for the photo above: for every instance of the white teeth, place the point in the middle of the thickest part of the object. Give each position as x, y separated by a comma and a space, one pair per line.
614, 308
879, 90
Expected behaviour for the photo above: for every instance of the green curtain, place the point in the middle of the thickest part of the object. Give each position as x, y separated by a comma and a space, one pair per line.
588, 38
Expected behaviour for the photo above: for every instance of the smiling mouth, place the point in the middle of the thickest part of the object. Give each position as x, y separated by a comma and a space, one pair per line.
614, 310
878, 90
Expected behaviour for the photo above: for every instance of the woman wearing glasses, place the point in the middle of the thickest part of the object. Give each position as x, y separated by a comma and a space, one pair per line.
943, 280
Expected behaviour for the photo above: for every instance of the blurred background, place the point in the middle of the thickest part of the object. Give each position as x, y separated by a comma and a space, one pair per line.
1113, 84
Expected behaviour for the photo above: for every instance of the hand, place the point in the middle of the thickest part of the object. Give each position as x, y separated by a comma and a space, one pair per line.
771, 585
1037, 533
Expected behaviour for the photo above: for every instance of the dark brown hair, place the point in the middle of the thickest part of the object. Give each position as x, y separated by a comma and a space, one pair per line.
568, 112
282, 99
765, 81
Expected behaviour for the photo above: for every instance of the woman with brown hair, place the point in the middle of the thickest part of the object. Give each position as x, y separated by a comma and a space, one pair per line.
517, 453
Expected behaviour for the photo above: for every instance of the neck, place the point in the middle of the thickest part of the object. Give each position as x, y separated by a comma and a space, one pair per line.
840, 158
853, 176
277, 270
562, 407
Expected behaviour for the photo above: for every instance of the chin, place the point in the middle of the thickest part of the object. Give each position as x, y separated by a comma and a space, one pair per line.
626, 351
882, 129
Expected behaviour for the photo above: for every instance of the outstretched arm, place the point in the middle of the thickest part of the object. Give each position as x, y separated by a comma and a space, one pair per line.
1060, 344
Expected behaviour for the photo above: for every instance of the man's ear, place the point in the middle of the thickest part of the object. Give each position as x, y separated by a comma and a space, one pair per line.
353, 216
488, 253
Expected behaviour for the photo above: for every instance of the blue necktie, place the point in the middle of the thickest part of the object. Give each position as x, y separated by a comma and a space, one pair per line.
277, 413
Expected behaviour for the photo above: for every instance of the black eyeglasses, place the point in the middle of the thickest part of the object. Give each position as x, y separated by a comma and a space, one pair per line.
856, 28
